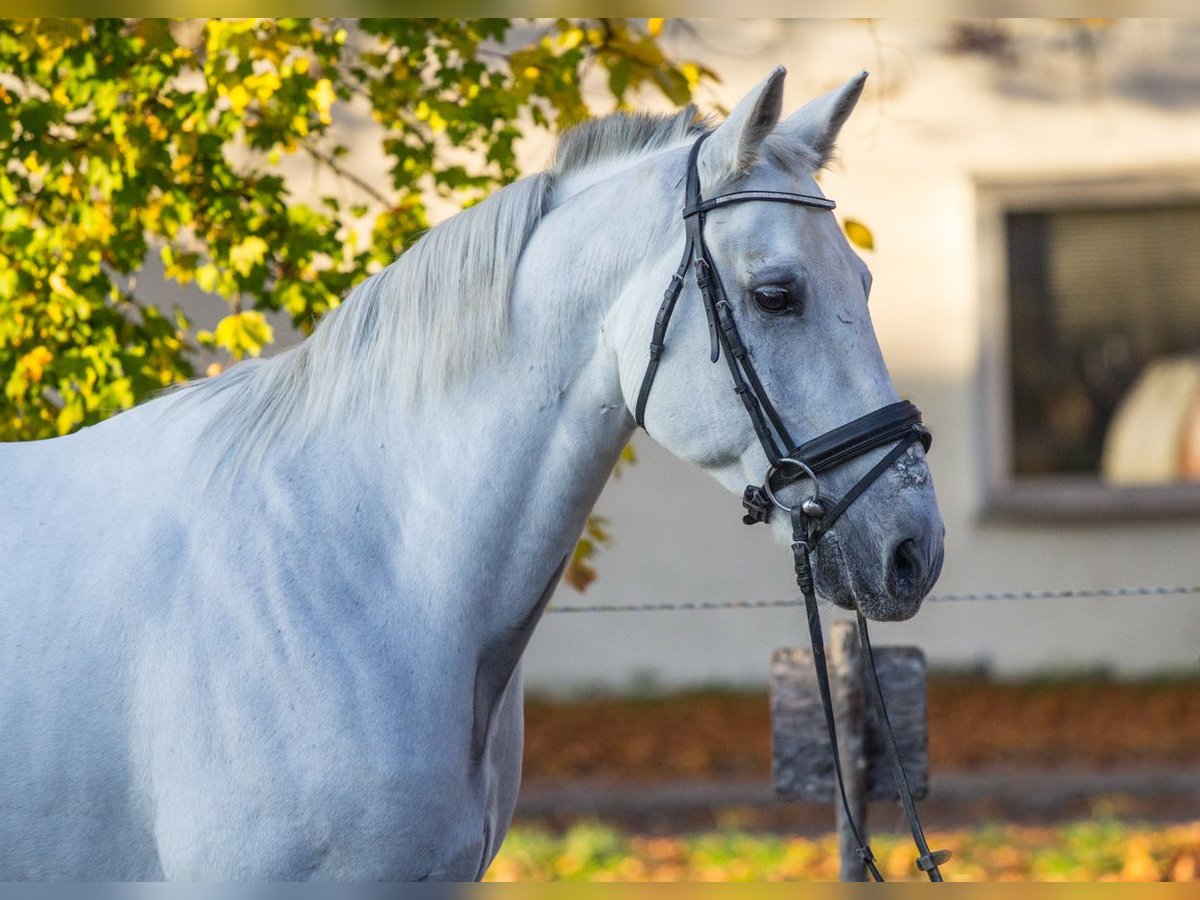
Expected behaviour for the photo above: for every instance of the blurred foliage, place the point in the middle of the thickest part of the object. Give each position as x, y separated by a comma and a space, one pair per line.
580, 571
129, 137
1102, 850
859, 234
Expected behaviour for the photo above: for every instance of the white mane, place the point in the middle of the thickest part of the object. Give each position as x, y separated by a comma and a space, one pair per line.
432, 316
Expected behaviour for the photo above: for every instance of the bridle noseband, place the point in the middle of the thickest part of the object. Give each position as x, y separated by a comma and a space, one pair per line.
898, 424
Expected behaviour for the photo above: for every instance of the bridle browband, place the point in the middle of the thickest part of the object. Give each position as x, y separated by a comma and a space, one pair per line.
897, 423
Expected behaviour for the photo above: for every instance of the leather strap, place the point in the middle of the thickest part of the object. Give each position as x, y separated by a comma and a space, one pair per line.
658, 340
722, 329
800, 551
929, 860
831, 516
884, 425
803, 543
704, 206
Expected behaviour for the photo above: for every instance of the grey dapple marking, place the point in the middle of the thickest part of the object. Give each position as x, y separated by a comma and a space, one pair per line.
269, 626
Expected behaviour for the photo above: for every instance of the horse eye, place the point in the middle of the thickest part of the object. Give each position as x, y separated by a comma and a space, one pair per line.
773, 299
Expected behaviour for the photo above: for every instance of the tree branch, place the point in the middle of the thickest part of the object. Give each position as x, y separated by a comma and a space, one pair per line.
365, 186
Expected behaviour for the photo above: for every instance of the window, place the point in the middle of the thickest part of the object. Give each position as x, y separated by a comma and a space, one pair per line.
1094, 348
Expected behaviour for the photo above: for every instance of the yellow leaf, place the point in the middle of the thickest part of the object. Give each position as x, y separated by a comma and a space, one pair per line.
32, 164
239, 98
244, 333
859, 234
571, 38
34, 363
654, 26
207, 277
322, 96
69, 416
59, 285
579, 572
264, 84
247, 254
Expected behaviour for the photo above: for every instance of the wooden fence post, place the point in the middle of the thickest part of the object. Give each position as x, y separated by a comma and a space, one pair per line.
801, 762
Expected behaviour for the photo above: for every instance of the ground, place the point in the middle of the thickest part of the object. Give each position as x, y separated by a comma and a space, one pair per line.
1064, 779
1081, 723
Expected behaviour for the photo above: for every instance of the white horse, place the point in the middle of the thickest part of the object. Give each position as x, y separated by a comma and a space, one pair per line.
269, 626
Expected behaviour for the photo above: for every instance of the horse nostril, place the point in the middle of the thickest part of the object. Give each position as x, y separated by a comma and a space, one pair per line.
906, 565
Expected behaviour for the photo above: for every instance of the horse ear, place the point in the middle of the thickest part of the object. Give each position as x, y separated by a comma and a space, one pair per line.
733, 147
816, 124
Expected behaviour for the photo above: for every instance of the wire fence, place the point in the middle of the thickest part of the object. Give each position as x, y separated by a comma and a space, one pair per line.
703, 606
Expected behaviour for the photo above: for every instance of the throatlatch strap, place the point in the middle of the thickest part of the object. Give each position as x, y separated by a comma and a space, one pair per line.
658, 339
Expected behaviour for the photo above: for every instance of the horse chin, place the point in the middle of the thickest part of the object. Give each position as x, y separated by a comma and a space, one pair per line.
848, 588
888, 609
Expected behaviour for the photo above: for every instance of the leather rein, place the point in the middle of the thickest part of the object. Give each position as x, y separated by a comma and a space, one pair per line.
898, 424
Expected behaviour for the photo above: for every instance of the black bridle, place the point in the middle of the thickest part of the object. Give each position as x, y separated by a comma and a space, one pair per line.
898, 424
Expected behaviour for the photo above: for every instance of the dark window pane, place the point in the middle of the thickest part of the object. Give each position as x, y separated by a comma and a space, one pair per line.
1094, 296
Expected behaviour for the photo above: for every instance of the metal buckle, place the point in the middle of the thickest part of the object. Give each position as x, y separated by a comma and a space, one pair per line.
811, 507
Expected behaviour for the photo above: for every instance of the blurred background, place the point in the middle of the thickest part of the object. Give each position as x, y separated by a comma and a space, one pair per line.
178, 195
1033, 191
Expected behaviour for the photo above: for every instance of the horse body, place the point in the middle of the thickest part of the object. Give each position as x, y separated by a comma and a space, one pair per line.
256, 681
303, 661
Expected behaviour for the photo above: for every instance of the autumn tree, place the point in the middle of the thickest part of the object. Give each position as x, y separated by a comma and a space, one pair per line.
123, 138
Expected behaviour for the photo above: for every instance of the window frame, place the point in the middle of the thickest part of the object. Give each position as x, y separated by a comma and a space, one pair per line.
1065, 497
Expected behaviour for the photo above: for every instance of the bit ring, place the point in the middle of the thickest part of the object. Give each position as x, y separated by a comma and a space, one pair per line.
807, 472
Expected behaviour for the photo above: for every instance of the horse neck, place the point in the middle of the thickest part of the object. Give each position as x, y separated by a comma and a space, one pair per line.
496, 479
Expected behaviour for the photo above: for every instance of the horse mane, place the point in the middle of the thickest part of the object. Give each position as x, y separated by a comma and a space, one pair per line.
430, 318
624, 137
